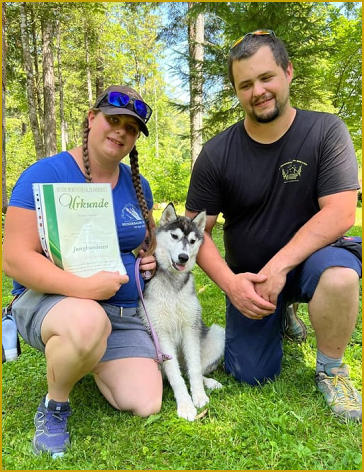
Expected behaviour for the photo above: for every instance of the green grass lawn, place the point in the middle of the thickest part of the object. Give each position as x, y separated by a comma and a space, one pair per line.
284, 425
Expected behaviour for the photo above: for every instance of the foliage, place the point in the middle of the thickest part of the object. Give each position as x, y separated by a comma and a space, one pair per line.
344, 75
167, 163
283, 425
20, 151
131, 42
125, 37
319, 41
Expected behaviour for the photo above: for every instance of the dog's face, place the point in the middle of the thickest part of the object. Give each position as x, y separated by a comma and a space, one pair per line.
178, 240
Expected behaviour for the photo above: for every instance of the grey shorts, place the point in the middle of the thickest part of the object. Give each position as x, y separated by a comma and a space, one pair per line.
129, 337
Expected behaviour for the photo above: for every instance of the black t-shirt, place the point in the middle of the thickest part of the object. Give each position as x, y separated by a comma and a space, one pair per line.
266, 192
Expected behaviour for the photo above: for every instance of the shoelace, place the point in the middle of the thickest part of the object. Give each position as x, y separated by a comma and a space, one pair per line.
59, 425
345, 392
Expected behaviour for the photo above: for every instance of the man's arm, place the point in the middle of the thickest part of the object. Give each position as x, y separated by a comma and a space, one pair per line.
238, 287
336, 216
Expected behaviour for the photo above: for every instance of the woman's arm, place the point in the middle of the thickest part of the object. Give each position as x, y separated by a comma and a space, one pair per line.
24, 261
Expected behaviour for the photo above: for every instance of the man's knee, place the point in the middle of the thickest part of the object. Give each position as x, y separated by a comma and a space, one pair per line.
338, 280
253, 371
253, 348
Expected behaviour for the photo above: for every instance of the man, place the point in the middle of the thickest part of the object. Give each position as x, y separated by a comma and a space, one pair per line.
286, 182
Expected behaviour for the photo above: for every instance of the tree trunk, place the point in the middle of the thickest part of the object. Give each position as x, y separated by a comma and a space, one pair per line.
155, 113
64, 137
4, 47
37, 79
138, 76
28, 66
88, 71
99, 74
50, 140
196, 29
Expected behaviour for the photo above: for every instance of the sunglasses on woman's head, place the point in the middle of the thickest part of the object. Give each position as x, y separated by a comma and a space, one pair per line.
262, 32
122, 100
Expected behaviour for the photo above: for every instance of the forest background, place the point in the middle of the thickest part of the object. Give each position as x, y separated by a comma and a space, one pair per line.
58, 56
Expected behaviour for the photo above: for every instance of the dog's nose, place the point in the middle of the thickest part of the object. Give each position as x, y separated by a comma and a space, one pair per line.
183, 258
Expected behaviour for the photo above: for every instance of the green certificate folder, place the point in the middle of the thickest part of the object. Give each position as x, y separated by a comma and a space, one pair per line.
76, 226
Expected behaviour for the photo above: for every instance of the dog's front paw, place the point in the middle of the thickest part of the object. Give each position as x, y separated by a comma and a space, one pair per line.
211, 384
187, 411
200, 399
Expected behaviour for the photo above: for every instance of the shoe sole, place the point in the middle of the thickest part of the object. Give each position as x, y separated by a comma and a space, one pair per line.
54, 455
297, 340
345, 419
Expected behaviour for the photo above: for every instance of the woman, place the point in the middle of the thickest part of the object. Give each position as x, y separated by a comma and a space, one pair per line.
77, 331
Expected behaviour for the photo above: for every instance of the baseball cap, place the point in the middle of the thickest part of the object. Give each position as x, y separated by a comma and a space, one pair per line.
124, 100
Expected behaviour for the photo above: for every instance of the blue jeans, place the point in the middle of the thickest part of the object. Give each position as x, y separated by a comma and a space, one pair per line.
253, 348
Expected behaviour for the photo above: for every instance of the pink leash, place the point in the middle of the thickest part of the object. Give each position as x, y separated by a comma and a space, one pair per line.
160, 356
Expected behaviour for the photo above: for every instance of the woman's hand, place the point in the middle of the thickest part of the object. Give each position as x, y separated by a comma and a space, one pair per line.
102, 285
148, 265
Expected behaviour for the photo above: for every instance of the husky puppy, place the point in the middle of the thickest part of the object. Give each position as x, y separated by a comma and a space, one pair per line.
175, 312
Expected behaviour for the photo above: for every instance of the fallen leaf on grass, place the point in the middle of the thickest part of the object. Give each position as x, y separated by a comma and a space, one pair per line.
201, 415
151, 419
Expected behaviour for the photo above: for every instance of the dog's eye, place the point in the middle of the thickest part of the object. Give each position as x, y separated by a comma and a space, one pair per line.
174, 236
192, 241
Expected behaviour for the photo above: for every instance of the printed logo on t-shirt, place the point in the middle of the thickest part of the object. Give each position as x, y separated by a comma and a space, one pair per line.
292, 170
131, 216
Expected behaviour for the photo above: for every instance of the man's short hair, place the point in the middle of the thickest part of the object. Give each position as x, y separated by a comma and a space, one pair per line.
250, 45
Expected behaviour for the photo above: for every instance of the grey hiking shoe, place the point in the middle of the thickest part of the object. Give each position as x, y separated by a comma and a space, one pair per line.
341, 396
293, 327
51, 433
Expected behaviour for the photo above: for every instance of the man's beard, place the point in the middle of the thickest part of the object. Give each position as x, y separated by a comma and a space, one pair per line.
271, 115
268, 117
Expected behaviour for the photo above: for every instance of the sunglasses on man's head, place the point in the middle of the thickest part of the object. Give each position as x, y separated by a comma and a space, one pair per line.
261, 32
122, 100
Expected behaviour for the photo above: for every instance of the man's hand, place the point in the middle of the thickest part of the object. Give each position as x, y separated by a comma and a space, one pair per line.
274, 283
243, 295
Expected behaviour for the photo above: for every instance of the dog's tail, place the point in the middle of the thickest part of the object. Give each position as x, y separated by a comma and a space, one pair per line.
212, 347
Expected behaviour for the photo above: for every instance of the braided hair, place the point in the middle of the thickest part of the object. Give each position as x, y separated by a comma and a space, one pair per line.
150, 241
85, 157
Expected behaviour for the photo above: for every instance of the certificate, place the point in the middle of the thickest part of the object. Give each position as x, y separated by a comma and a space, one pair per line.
76, 226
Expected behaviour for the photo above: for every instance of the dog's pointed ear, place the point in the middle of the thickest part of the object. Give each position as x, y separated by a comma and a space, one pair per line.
169, 214
200, 221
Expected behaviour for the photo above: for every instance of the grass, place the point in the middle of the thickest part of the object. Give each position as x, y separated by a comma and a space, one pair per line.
283, 425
